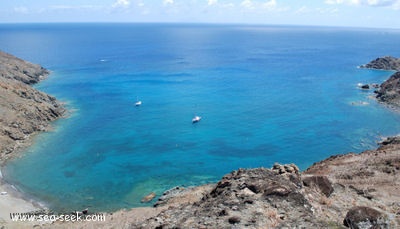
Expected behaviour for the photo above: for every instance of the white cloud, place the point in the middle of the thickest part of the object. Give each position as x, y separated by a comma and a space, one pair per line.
396, 5
247, 4
212, 2
308, 10
303, 10
69, 7
21, 10
121, 3
269, 4
166, 2
337, 2
374, 3
382, 2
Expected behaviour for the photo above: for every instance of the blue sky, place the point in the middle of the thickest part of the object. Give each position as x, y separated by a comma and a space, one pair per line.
353, 13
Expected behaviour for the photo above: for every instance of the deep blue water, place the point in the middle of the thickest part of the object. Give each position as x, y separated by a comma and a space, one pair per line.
265, 93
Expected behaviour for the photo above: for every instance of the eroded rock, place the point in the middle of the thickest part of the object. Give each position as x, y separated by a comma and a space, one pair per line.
362, 217
322, 183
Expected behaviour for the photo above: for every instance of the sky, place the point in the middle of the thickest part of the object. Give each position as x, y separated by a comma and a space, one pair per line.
349, 13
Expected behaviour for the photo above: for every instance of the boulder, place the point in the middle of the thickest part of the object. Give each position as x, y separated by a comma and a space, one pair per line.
322, 183
365, 86
148, 198
361, 217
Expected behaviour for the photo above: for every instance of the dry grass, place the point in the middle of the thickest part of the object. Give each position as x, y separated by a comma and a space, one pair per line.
273, 217
325, 201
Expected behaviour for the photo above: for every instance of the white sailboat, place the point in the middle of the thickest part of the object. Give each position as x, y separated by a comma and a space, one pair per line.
196, 119
138, 102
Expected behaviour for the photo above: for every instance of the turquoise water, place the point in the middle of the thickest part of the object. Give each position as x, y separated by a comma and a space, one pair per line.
265, 93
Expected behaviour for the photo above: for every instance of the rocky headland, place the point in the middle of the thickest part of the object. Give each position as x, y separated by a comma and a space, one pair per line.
24, 110
389, 91
384, 63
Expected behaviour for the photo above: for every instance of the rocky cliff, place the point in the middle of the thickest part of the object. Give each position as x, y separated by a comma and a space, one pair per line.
389, 91
384, 63
23, 109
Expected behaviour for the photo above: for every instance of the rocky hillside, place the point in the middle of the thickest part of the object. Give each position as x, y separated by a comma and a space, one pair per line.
23, 109
389, 91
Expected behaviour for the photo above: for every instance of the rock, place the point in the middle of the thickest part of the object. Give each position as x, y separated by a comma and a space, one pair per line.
389, 91
170, 193
361, 217
390, 141
289, 169
148, 198
244, 197
322, 183
384, 63
283, 169
20, 70
234, 220
365, 86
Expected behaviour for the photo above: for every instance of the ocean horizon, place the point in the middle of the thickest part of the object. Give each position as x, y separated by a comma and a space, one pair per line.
266, 94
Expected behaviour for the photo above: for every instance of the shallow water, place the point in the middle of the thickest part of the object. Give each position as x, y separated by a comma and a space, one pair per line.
265, 93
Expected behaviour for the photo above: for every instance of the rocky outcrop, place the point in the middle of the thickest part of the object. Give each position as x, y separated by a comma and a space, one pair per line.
361, 217
321, 183
246, 198
20, 70
353, 190
389, 91
384, 63
23, 109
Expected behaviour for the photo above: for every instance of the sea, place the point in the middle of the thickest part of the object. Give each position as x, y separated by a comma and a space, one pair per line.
265, 94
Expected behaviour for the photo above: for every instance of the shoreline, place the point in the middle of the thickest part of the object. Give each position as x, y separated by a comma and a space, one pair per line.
25, 112
15, 201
